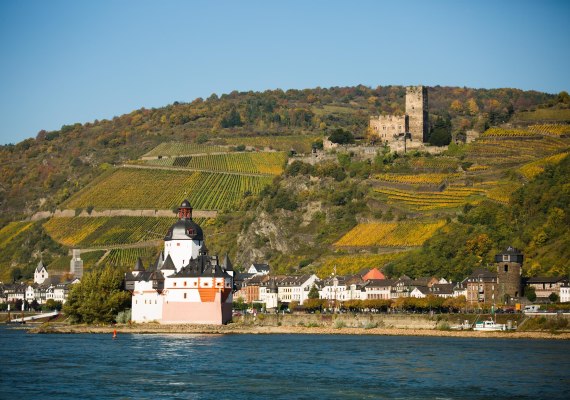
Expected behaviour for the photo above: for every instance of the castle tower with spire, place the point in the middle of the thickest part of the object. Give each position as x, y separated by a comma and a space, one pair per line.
185, 284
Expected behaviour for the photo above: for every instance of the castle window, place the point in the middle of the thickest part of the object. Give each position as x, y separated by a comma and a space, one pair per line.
506, 268
184, 283
174, 284
195, 283
184, 295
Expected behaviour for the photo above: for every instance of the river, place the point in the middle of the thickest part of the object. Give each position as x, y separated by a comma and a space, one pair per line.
135, 366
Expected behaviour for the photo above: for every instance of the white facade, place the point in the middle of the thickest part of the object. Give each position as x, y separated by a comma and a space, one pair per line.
564, 294
377, 291
40, 274
182, 250
297, 289
146, 303
417, 293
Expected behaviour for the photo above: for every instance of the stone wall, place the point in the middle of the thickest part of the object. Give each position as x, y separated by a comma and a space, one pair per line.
387, 126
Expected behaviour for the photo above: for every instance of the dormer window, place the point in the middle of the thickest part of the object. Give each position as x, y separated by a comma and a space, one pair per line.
191, 231
505, 257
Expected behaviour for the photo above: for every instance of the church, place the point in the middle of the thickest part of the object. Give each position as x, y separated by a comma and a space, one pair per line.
185, 284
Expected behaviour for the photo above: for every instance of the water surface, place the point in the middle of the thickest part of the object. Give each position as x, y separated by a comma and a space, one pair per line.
91, 366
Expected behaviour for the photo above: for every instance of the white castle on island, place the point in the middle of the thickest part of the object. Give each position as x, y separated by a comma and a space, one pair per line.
185, 284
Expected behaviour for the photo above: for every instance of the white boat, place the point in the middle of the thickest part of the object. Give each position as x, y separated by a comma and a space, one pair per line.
489, 326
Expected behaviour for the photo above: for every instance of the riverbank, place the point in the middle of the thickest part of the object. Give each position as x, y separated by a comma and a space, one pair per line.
155, 328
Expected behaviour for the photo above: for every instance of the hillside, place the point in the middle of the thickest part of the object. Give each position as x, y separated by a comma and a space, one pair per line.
119, 181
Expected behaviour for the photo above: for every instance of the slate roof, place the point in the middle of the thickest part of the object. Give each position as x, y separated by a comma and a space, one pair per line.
168, 264
185, 229
442, 288
201, 266
261, 267
555, 279
380, 283
483, 274
40, 266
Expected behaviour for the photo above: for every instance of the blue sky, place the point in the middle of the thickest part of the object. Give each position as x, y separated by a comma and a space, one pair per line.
66, 61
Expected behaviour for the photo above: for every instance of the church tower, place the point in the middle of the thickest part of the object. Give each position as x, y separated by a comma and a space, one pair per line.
184, 239
76, 264
417, 112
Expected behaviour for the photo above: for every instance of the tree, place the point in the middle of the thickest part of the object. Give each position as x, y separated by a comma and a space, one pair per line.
99, 297
314, 292
530, 293
553, 297
341, 136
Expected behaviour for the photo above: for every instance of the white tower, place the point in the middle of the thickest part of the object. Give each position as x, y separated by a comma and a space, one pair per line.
76, 264
40, 274
184, 239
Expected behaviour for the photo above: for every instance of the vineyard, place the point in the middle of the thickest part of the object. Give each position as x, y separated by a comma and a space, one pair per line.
160, 189
500, 132
534, 168
390, 234
354, 263
107, 231
61, 264
299, 143
502, 193
512, 151
552, 129
270, 163
421, 179
453, 196
125, 259
434, 164
10, 231
173, 149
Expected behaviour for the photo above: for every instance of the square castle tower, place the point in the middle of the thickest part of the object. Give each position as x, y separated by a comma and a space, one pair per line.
415, 122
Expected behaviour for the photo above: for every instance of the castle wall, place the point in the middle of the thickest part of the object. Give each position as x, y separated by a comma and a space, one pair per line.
146, 303
386, 126
417, 111
212, 312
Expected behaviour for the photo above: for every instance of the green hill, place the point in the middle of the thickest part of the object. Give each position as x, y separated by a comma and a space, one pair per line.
419, 213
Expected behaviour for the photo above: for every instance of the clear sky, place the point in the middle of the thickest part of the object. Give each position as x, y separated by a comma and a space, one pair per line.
67, 61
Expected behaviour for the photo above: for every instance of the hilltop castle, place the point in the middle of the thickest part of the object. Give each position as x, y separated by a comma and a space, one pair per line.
391, 128
185, 284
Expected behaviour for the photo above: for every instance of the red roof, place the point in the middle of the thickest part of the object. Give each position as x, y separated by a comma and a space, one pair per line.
374, 273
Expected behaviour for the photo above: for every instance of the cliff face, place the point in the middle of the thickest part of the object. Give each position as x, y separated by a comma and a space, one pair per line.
266, 235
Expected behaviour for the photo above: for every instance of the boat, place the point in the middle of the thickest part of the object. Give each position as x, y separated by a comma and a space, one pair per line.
489, 326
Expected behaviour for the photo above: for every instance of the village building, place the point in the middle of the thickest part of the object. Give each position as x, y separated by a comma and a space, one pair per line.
565, 293
378, 289
258, 269
545, 286
185, 284
40, 273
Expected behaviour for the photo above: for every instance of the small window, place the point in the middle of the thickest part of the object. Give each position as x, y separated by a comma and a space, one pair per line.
184, 295
195, 283
505, 257
184, 283
506, 268
174, 284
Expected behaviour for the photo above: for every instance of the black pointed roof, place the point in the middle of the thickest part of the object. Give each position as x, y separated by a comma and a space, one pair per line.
168, 264
202, 266
227, 264
139, 265
40, 266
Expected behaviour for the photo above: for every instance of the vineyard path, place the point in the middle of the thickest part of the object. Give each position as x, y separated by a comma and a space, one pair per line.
69, 213
192, 170
149, 243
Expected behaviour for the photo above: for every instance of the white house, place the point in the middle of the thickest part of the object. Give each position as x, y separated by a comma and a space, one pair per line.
378, 289
40, 273
258, 269
295, 288
564, 293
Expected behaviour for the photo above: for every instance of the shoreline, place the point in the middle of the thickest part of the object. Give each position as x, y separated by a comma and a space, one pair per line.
241, 329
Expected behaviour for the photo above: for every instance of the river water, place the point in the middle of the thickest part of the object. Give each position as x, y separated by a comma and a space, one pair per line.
91, 366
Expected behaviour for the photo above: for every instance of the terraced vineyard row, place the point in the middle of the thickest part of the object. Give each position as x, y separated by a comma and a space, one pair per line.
434, 164
354, 263
550, 129
162, 189
126, 259
390, 234
271, 163
107, 231
512, 151
500, 132
10, 231
534, 168
299, 143
421, 179
424, 201
173, 149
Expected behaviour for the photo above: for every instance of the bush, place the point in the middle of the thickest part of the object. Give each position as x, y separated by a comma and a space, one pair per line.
338, 324
123, 317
